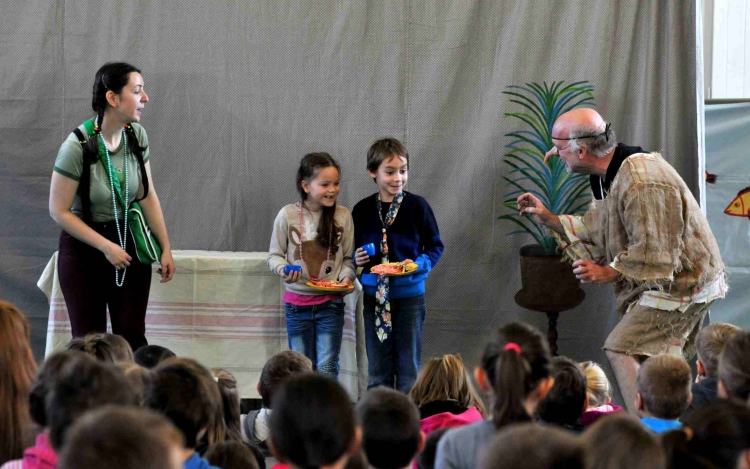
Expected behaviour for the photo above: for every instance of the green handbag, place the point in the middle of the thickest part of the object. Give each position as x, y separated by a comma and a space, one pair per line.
147, 248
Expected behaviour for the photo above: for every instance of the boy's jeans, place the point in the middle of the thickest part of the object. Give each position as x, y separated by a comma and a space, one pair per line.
395, 361
316, 332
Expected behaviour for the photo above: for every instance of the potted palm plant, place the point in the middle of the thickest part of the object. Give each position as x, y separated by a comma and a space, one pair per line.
547, 284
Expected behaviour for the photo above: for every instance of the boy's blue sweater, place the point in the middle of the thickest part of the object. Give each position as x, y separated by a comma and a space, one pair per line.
413, 235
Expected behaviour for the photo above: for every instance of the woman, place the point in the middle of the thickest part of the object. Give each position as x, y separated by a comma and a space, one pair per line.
17, 369
97, 264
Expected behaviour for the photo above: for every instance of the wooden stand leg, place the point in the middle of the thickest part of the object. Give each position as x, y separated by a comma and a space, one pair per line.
552, 332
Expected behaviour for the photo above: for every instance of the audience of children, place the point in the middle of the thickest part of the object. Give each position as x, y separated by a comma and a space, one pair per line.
515, 371
445, 395
84, 410
566, 399
598, 394
391, 437
663, 392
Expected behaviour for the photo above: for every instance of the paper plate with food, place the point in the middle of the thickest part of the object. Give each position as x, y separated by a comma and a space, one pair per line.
394, 269
329, 285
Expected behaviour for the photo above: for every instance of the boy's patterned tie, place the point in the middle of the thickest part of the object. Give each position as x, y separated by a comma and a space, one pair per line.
382, 298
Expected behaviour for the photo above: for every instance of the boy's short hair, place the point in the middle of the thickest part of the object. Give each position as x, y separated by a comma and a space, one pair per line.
664, 385
313, 422
391, 434
734, 366
138, 377
122, 438
83, 384
149, 356
44, 383
426, 459
564, 402
533, 446
621, 441
177, 391
382, 150
110, 348
231, 455
278, 368
710, 342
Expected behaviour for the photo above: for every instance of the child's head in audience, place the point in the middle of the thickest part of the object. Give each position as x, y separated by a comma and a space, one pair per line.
663, 387
17, 368
149, 356
278, 368
445, 379
313, 423
426, 459
231, 455
122, 438
598, 389
391, 437
230, 399
717, 435
83, 384
44, 382
138, 377
619, 441
566, 399
709, 343
104, 347
178, 391
734, 368
533, 446
515, 369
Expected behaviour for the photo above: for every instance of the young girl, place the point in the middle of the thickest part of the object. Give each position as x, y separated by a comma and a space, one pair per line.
315, 234
598, 392
515, 368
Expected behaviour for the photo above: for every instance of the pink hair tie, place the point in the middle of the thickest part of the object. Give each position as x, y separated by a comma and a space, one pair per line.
513, 346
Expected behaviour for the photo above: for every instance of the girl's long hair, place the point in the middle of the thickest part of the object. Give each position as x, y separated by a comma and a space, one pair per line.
446, 379
230, 399
514, 374
309, 167
17, 369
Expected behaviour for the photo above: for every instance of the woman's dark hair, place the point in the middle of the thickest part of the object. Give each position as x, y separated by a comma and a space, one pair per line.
112, 76
313, 422
309, 167
514, 373
717, 434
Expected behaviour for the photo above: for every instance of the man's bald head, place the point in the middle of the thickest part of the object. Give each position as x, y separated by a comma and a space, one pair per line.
586, 123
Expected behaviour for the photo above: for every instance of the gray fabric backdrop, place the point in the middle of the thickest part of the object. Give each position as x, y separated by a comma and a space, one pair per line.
240, 90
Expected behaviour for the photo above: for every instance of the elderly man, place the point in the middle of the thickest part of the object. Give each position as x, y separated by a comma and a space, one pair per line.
645, 233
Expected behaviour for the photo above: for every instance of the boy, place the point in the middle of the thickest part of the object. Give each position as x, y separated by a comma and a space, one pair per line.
533, 447
391, 437
709, 344
277, 369
663, 392
313, 423
176, 391
403, 228
566, 399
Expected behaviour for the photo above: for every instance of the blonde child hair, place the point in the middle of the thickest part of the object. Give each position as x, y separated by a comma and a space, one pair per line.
598, 388
446, 379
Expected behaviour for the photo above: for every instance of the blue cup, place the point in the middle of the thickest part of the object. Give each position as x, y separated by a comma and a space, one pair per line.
369, 249
291, 268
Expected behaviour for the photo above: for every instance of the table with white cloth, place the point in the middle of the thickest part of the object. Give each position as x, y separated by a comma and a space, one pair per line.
223, 309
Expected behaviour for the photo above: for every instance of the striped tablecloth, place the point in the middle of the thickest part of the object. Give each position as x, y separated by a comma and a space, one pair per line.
223, 309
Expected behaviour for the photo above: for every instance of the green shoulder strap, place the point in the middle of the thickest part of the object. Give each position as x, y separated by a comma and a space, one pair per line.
89, 125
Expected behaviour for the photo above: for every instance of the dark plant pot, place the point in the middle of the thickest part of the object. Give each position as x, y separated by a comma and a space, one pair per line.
547, 283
